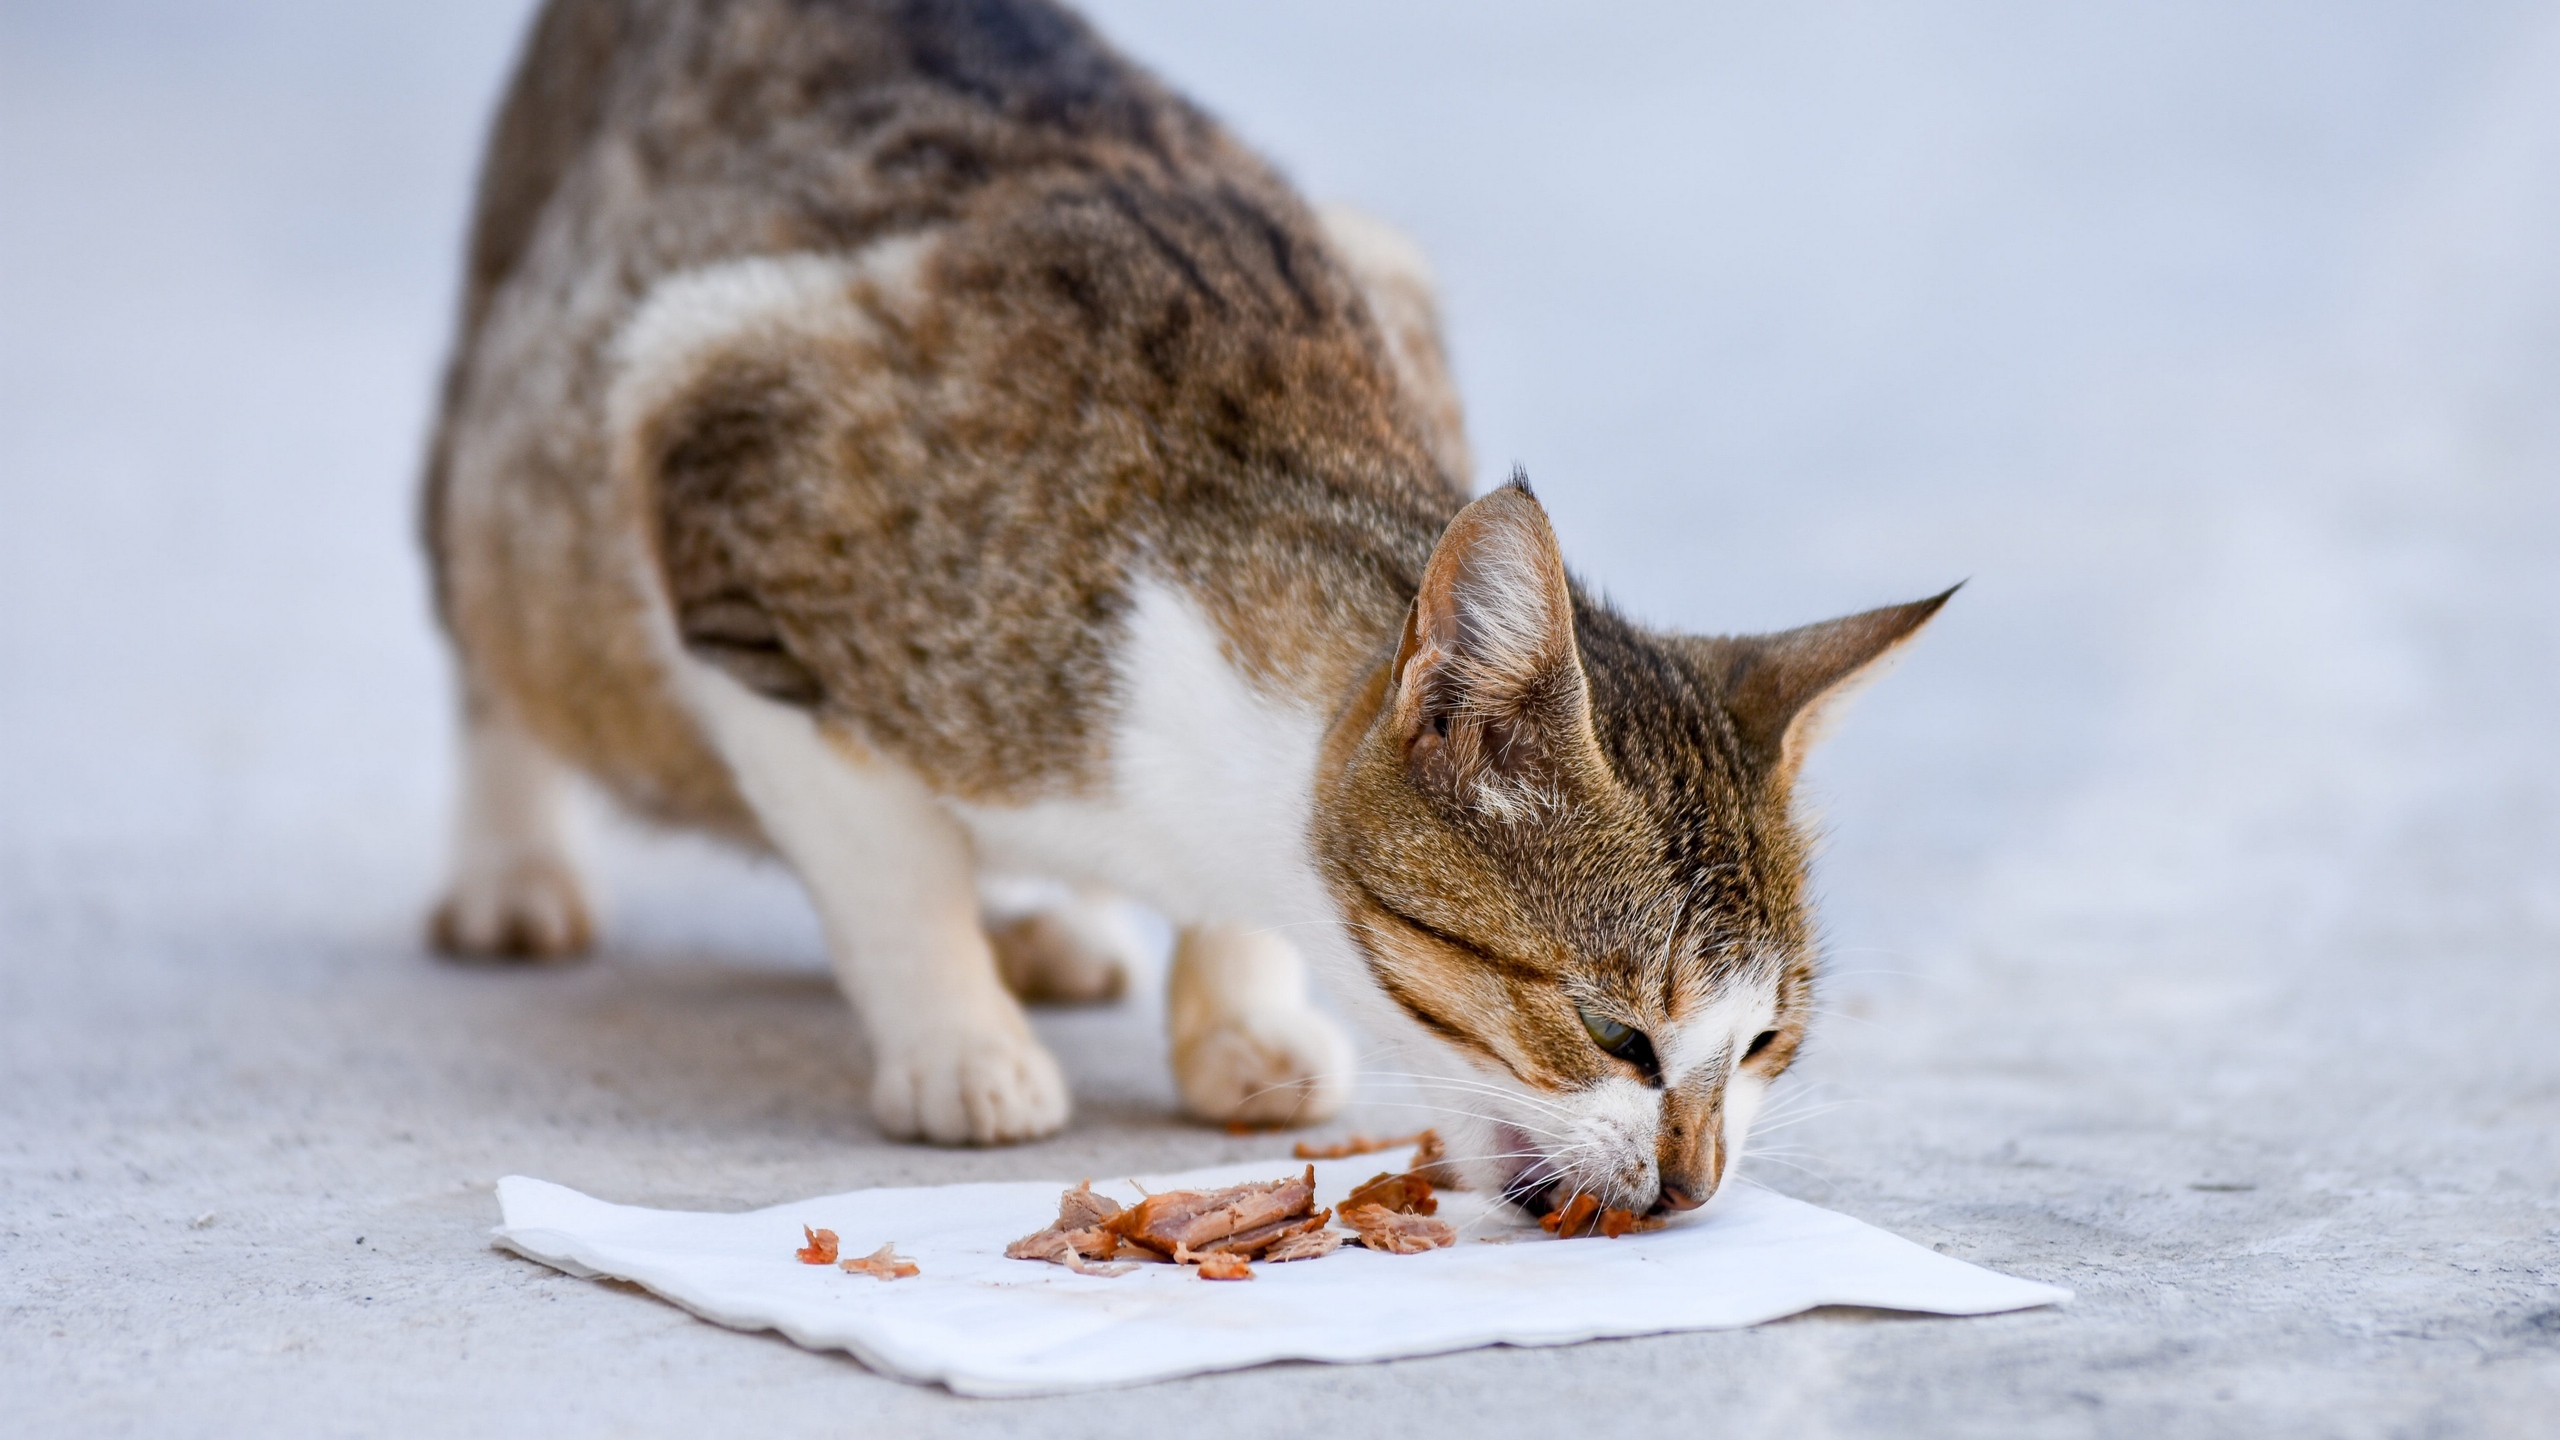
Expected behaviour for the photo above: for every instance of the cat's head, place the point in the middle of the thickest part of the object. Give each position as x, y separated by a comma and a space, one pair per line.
1565, 849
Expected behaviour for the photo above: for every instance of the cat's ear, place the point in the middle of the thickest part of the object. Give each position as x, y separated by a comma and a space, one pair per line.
1785, 690
1489, 696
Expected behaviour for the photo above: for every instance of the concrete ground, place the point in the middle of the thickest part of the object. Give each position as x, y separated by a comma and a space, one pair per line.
2194, 892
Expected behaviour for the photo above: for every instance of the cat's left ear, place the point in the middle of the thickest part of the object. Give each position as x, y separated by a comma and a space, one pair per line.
1783, 691
1489, 702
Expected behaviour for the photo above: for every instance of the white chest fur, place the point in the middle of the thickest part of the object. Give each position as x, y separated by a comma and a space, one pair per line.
1205, 812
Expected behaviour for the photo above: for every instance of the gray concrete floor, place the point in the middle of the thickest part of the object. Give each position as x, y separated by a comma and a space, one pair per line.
2194, 893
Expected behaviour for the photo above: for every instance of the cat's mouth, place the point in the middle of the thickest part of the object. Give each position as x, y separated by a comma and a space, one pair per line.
1534, 1181
1539, 1195
1534, 1196
1537, 1183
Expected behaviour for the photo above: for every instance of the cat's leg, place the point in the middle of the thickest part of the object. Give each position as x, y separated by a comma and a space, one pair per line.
516, 892
1075, 948
1248, 1046
894, 883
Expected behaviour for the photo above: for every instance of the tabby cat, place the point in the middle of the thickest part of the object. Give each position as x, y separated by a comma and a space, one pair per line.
904, 436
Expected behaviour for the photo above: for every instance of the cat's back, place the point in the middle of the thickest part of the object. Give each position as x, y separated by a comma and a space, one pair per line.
764, 126
1118, 289
640, 140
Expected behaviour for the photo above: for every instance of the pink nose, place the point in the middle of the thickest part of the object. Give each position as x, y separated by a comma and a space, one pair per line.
1679, 1197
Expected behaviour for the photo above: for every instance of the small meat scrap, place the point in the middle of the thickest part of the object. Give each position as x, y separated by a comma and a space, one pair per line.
1076, 1236
1305, 1245
1396, 1234
1406, 1194
1081, 1209
1224, 1267
1240, 1219
1573, 1217
1431, 1162
1614, 1223
1071, 1248
821, 1249
1256, 1243
1364, 1145
1582, 1215
884, 1263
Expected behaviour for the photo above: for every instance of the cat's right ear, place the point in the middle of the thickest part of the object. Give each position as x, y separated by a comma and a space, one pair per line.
1489, 697
1783, 691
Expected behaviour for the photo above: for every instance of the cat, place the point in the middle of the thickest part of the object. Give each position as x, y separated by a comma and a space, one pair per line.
908, 439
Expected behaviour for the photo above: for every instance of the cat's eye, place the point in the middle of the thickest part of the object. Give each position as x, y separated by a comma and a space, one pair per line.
1606, 1033
1624, 1042
1760, 1042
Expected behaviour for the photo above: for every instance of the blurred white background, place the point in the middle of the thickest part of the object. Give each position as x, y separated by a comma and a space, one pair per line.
2213, 834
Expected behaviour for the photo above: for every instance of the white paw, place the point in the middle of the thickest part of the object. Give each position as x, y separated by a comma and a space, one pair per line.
532, 910
984, 1087
1068, 955
1279, 1067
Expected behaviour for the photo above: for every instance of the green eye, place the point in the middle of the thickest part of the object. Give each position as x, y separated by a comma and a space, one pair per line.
1624, 1042
1608, 1034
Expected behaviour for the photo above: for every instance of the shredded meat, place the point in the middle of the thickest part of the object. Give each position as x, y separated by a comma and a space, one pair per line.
1273, 1221
1241, 1218
1184, 1226
1075, 1249
1305, 1245
1385, 1230
821, 1249
1077, 1236
1081, 1209
1224, 1267
884, 1263
1051, 1244
1255, 1242
1407, 1194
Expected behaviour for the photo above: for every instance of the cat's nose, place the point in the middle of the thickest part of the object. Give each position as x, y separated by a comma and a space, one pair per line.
1689, 1151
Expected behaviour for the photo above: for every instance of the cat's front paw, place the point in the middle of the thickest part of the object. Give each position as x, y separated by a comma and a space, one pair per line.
1280, 1067
982, 1087
1075, 954
534, 910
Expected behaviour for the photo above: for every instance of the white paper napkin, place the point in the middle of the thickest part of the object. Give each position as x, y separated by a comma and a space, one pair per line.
985, 1325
